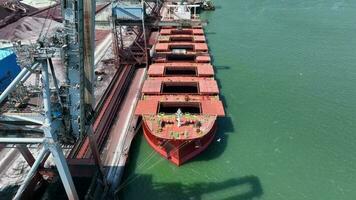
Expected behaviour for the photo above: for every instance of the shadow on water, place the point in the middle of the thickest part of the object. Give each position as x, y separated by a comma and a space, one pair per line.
132, 161
56, 190
8, 192
210, 33
225, 128
243, 188
221, 68
220, 142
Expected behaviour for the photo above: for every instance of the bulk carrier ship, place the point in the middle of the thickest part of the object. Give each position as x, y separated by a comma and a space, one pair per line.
180, 98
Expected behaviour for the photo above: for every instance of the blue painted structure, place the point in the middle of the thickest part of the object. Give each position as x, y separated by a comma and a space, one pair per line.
124, 12
8, 68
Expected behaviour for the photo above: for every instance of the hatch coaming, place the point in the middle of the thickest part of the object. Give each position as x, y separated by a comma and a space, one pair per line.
193, 57
185, 47
179, 120
180, 85
209, 105
184, 31
196, 69
181, 38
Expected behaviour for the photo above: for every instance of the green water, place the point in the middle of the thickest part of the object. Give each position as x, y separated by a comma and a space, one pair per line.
287, 73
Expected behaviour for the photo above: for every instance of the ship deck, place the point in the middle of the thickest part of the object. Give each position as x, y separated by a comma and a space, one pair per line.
164, 126
180, 68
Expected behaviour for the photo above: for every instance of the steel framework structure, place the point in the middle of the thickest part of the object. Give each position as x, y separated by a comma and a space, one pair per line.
67, 111
133, 23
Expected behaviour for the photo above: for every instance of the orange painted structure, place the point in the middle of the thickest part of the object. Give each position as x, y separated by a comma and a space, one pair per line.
180, 97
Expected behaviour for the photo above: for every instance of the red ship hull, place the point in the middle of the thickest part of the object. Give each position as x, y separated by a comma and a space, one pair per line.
180, 97
179, 151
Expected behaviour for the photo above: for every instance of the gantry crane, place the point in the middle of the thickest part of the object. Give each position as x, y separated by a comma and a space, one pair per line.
67, 111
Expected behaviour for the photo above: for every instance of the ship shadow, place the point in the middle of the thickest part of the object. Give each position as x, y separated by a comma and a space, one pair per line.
142, 186
243, 188
210, 33
56, 190
219, 144
224, 130
217, 68
8, 192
